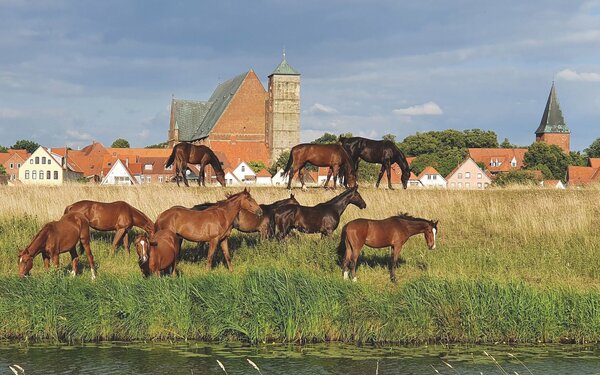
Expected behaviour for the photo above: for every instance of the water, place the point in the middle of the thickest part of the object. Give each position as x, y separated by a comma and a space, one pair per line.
201, 358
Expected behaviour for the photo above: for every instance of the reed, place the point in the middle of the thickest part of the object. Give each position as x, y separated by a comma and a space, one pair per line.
511, 265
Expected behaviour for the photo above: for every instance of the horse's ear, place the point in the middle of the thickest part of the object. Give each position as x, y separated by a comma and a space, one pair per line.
291, 195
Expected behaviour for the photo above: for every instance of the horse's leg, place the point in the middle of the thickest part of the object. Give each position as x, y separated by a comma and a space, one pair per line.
347, 256
84, 241
357, 245
174, 268
389, 175
292, 172
329, 172
183, 169
336, 171
301, 177
177, 173
117, 239
212, 246
380, 175
74, 261
225, 248
46, 259
126, 241
395, 254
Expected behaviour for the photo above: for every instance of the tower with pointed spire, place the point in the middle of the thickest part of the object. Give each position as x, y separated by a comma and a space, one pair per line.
283, 109
553, 128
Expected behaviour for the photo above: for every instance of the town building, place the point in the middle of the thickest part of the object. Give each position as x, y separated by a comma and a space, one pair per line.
12, 160
553, 128
468, 175
43, 167
430, 177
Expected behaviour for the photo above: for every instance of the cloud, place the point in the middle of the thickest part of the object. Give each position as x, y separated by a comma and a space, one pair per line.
318, 108
571, 75
426, 109
7, 113
78, 136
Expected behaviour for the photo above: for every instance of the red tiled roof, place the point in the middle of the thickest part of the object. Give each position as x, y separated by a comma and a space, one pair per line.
582, 175
413, 177
504, 156
263, 173
396, 174
141, 152
594, 162
410, 159
234, 152
428, 170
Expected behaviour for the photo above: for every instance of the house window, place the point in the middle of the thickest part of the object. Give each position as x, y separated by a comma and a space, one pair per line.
459, 185
513, 163
479, 185
27, 175
56, 175
429, 177
467, 174
18, 165
434, 177
48, 175
12, 166
479, 176
243, 168
37, 160
460, 175
148, 179
148, 167
44, 160
452, 184
467, 185
160, 179
41, 175
170, 167
34, 175
31, 161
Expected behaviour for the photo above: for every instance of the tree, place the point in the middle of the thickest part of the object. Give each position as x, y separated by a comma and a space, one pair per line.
3, 149
477, 138
281, 162
2, 170
576, 158
541, 153
120, 143
389, 137
594, 150
516, 177
158, 145
420, 144
506, 144
24, 144
444, 162
326, 139
256, 166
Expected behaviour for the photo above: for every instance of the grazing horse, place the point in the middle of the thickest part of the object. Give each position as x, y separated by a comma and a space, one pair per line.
213, 225
184, 153
393, 231
160, 255
119, 216
329, 155
58, 237
383, 152
248, 222
323, 218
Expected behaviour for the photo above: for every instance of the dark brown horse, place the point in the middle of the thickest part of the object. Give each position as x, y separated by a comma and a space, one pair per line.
159, 256
383, 152
323, 218
184, 153
213, 225
329, 155
58, 237
248, 222
119, 216
393, 231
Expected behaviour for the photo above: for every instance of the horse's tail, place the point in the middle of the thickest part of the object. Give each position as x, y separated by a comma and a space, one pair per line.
288, 165
342, 246
171, 158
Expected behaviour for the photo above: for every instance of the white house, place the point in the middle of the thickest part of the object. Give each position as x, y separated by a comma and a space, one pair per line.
244, 173
263, 177
231, 179
413, 181
553, 184
278, 179
45, 168
432, 178
119, 174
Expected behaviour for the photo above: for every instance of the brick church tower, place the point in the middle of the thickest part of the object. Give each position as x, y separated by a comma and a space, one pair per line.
283, 109
553, 128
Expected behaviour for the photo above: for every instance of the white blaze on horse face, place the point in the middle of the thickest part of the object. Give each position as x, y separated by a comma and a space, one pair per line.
434, 237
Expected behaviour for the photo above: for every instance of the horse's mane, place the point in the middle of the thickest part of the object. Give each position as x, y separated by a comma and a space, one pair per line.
338, 197
42, 235
214, 161
406, 216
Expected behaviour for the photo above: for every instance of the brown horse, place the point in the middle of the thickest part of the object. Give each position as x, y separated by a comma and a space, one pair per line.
119, 216
323, 218
184, 153
160, 255
329, 155
393, 231
213, 225
58, 237
248, 222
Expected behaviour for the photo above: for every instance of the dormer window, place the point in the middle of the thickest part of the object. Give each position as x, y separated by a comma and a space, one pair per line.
513, 163
148, 167
243, 168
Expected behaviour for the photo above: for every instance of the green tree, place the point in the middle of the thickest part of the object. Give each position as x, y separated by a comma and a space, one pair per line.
477, 138
256, 166
326, 139
3, 149
25, 144
158, 145
389, 137
506, 144
120, 143
2, 170
516, 177
594, 150
281, 162
546, 172
541, 153
576, 158
420, 144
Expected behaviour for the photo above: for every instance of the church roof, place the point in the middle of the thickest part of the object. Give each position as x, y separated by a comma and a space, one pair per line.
195, 119
285, 69
552, 119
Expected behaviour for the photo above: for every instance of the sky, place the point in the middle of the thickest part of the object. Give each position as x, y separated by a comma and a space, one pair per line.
73, 72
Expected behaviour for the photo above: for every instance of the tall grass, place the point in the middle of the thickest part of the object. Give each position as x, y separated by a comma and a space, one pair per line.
510, 265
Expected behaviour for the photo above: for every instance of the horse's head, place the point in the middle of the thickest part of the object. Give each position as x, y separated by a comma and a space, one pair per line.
431, 234
142, 247
221, 177
405, 177
25, 263
356, 199
248, 203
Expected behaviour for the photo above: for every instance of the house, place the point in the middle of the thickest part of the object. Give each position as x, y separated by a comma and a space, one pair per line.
579, 176
278, 179
43, 167
396, 174
429, 177
498, 160
263, 177
468, 175
552, 184
594, 162
119, 174
244, 173
231, 179
12, 160
414, 181
87, 161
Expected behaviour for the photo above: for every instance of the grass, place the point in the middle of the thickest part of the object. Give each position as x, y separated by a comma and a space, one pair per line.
510, 265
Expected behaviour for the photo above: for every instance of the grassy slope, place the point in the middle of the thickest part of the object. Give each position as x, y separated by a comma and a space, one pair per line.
510, 265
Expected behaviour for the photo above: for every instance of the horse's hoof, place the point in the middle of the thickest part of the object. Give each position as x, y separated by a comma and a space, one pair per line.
346, 276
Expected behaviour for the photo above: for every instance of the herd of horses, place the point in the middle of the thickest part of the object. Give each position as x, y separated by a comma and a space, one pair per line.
159, 245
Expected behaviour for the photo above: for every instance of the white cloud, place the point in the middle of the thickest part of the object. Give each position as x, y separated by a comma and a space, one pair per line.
571, 75
7, 113
78, 136
318, 108
426, 109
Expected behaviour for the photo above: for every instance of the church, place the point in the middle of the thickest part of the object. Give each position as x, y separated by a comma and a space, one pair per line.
241, 121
